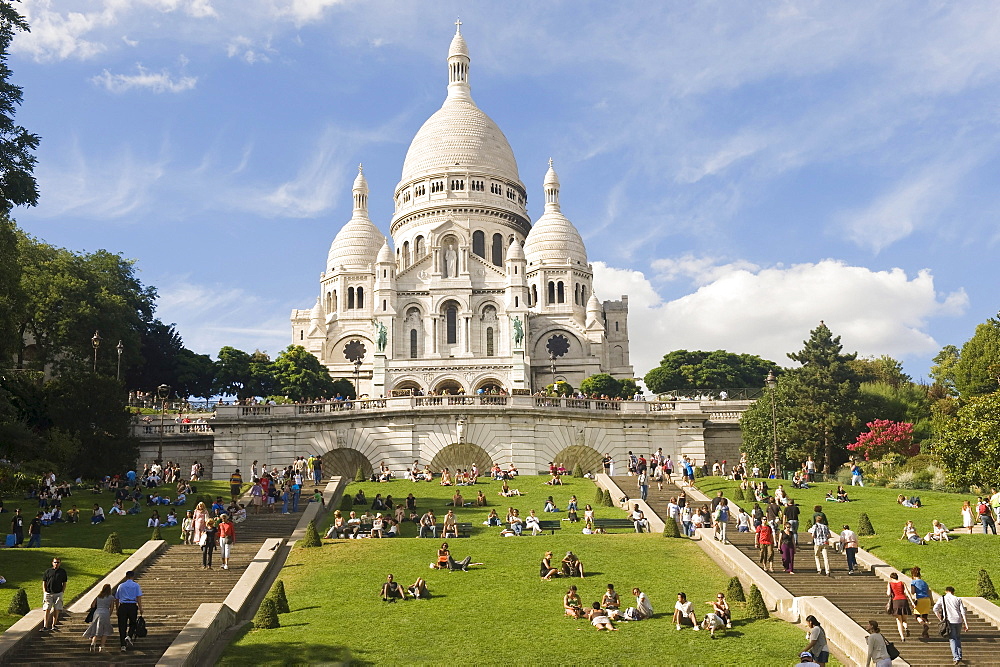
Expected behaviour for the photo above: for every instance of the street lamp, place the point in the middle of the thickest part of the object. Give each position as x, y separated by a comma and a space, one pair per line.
163, 393
357, 378
772, 385
96, 342
120, 348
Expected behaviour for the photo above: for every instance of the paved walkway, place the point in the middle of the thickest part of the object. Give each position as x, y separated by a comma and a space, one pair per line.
174, 585
861, 596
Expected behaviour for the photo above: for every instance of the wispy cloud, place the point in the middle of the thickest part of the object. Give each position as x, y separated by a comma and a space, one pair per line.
158, 82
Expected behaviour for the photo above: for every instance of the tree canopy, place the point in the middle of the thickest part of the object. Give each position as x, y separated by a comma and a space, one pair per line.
683, 370
977, 370
969, 443
300, 376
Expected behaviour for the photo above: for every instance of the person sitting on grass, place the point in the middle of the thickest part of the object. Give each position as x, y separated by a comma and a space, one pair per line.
449, 525
550, 505
842, 495
610, 601
939, 532
554, 481
643, 607
829, 497
171, 519
457, 500
359, 498
720, 607
515, 521
154, 520
684, 612
507, 492
572, 566
492, 519
712, 623
97, 515
181, 499
445, 477
117, 508
418, 590
912, 501
480, 500
391, 590
545, 570
571, 603
910, 533
73, 515
599, 618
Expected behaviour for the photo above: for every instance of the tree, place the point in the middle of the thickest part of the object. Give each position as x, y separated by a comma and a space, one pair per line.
943, 370
682, 371
882, 369
977, 370
10, 288
344, 388
300, 376
968, 444
17, 160
629, 389
885, 437
243, 375
601, 384
904, 403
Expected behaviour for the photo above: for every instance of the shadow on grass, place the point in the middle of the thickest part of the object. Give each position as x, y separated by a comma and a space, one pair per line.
305, 654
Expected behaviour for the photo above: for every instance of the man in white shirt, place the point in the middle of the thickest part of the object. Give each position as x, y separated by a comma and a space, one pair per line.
850, 541
642, 604
821, 546
949, 608
684, 611
639, 520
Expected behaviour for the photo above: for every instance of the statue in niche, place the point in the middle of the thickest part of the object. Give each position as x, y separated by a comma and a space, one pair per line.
518, 332
381, 336
450, 262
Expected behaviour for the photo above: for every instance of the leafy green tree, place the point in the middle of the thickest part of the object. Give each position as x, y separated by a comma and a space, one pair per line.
300, 376
682, 370
977, 370
884, 369
943, 370
968, 444
904, 403
17, 145
195, 374
628, 389
244, 375
10, 288
601, 384
344, 388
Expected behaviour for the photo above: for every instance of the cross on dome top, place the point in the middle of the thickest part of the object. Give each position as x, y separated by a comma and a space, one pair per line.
458, 26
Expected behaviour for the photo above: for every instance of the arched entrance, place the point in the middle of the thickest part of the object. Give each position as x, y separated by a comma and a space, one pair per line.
489, 386
588, 458
406, 388
449, 386
461, 456
345, 463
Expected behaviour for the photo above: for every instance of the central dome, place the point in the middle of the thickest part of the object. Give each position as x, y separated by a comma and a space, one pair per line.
459, 134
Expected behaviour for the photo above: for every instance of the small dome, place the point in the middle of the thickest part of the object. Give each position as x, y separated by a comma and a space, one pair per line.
356, 246
515, 251
551, 178
385, 255
593, 304
458, 46
317, 311
554, 240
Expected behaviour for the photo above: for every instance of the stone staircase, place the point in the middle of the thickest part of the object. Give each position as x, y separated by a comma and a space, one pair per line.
173, 586
861, 596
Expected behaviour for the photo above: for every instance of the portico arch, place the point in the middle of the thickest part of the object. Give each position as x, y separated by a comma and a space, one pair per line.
488, 385
588, 458
461, 456
345, 462
450, 385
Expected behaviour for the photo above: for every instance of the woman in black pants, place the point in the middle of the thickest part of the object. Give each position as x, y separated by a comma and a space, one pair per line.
208, 544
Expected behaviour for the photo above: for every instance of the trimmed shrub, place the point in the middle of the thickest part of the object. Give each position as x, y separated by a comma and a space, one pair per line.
346, 503
865, 528
756, 609
734, 591
312, 536
156, 534
599, 497
359, 476
267, 616
985, 586
670, 528
608, 501
19, 603
578, 471
738, 495
277, 594
113, 545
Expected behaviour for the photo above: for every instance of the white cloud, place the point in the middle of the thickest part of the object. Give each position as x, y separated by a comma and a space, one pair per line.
158, 82
769, 312
698, 270
304, 11
244, 48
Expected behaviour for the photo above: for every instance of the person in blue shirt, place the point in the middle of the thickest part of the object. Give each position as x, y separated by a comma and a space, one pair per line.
129, 597
923, 602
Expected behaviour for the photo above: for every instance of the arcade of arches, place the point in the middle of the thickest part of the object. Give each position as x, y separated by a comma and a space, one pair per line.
461, 456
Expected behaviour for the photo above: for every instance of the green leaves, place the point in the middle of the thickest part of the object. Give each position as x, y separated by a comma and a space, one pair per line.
977, 370
682, 370
300, 376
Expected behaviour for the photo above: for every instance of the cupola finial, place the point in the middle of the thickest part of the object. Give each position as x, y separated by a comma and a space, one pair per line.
458, 65
551, 187
361, 193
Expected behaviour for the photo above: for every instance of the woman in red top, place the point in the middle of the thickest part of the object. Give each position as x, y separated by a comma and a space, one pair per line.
227, 538
899, 604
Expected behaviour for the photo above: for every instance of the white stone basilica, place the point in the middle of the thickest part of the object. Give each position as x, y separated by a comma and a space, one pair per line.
474, 296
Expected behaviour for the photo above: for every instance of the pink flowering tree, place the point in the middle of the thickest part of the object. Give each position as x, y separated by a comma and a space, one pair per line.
885, 437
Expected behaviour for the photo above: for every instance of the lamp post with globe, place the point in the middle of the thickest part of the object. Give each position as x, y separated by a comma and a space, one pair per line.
772, 385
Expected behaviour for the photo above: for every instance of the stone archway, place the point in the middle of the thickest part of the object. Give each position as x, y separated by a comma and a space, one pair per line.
490, 385
450, 386
345, 463
588, 458
461, 456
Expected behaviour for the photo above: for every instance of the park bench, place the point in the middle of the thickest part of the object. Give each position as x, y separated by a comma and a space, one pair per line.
615, 524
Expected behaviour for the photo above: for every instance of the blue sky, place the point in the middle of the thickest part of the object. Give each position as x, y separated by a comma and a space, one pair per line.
741, 170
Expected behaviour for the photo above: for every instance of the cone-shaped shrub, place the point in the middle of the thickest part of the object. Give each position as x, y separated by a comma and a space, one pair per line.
312, 536
19, 603
267, 616
608, 502
277, 594
734, 591
670, 528
599, 497
755, 604
738, 495
359, 476
113, 545
577, 471
156, 534
985, 586
865, 527
346, 503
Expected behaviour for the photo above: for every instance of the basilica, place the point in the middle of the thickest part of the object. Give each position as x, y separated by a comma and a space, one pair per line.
469, 296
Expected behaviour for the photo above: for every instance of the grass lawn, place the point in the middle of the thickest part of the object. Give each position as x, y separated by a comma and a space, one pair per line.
80, 546
501, 612
956, 563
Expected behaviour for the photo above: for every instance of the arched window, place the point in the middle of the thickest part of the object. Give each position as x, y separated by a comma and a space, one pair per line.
559, 287
616, 326
576, 293
361, 297
533, 301
497, 250
451, 317
418, 248
552, 292
583, 295
302, 334
350, 297
385, 305
479, 243
517, 302
413, 343
336, 304
489, 341
406, 254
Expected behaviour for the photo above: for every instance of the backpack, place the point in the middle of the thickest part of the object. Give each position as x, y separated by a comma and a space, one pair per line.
723, 514
983, 509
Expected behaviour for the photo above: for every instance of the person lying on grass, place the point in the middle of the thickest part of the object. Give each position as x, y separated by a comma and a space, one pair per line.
910, 533
599, 618
912, 501
419, 590
392, 591
446, 562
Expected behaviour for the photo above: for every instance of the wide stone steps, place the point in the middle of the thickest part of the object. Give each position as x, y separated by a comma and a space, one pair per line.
174, 585
861, 596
